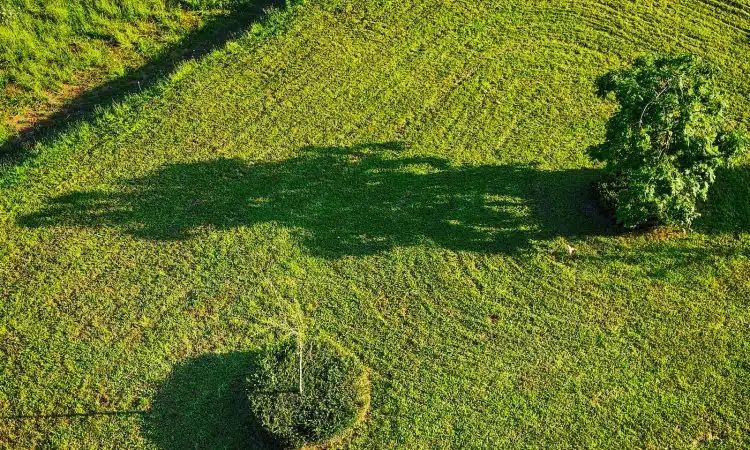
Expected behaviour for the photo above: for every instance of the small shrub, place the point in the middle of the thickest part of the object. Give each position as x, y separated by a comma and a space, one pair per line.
665, 143
334, 398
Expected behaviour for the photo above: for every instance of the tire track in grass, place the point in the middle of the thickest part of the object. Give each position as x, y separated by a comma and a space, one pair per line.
381, 91
311, 84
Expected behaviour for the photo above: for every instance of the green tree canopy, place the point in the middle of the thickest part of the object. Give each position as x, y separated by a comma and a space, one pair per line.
665, 143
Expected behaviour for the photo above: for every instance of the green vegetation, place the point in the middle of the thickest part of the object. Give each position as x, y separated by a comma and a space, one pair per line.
411, 174
308, 392
666, 142
44, 43
51, 50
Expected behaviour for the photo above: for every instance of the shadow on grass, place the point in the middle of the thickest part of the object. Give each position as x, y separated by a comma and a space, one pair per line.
673, 259
670, 253
211, 36
727, 209
204, 404
347, 201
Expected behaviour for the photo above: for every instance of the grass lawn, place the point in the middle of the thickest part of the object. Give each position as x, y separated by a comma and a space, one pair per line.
406, 176
61, 58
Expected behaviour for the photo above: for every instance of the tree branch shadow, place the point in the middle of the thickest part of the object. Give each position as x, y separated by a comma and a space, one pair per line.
359, 200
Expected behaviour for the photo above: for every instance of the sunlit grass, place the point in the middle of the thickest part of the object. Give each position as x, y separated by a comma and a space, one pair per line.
412, 173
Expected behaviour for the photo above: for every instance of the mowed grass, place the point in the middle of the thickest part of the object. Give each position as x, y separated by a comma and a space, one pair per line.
53, 51
408, 176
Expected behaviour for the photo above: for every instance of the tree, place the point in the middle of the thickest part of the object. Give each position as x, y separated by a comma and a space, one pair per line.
666, 142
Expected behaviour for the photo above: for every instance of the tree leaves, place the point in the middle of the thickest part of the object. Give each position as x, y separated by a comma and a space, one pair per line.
666, 141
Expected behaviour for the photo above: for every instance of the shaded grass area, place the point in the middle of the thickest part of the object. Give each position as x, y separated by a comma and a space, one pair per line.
727, 209
411, 175
203, 404
350, 201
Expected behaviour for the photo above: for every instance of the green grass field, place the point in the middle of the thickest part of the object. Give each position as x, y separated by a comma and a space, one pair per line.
409, 175
53, 51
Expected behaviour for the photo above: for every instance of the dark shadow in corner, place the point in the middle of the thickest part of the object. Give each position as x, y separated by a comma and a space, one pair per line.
348, 201
211, 36
727, 209
204, 404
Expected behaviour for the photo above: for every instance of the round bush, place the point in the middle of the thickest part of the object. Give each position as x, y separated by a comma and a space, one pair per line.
334, 399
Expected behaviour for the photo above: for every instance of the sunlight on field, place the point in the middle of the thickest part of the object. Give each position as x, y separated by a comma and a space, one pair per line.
413, 174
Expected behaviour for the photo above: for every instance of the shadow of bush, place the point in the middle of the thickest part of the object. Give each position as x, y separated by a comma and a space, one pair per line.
727, 209
203, 404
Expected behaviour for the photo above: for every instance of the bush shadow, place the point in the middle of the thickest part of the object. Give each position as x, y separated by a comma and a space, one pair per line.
203, 404
358, 200
214, 34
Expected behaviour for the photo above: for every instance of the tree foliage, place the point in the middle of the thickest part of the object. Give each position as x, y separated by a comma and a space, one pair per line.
666, 142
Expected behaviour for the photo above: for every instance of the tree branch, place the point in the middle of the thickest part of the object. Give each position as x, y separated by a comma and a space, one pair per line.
640, 121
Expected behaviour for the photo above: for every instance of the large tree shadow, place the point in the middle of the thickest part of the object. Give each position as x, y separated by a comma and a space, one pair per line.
214, 34
347, 201
204, 404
